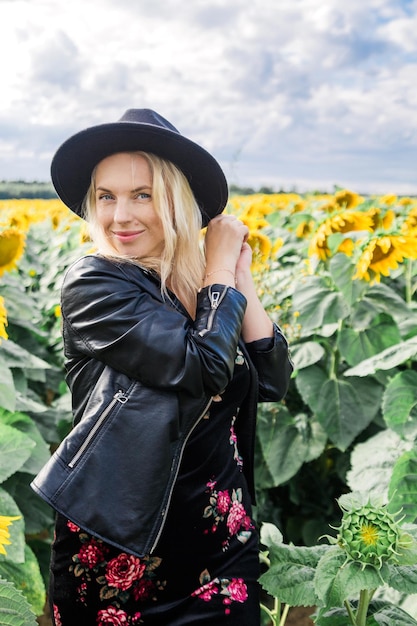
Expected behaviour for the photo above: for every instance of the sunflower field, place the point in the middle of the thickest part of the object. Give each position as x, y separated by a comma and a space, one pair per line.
337, 272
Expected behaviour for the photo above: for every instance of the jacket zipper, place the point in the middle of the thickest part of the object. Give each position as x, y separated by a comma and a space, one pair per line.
119, 396
168, 502
215, 298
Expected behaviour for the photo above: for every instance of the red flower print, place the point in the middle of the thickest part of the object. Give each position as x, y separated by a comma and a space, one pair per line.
91, 554
73, 527
82, 592
235, 518
113, 616
233, 442
206, 592
227, 508
233, 437
233, 590
223, 502
122, 571
143, 590
238, 590
57, 616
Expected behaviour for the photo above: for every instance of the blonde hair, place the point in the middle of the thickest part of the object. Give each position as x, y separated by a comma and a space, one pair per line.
181, 266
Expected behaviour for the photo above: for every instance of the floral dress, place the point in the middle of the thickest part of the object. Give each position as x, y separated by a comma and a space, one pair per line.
206, 564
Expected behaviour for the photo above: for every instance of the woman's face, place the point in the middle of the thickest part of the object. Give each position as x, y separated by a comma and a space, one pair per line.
124, 206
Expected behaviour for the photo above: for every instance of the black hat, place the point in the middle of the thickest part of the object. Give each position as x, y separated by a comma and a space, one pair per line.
138, 129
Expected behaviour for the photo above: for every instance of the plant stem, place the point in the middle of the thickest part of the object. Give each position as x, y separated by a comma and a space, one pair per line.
408, 280
268, 612
364, 599
275, 614
284, 615
350, 613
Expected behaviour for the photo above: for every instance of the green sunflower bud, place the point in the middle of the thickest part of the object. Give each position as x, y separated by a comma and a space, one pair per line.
369, 533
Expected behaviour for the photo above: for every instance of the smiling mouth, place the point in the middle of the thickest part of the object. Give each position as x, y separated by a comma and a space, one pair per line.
128, 235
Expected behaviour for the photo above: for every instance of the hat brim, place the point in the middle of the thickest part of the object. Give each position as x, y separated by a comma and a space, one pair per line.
75, 160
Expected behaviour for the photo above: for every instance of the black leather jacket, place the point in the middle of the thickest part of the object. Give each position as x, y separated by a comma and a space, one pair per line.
142, 374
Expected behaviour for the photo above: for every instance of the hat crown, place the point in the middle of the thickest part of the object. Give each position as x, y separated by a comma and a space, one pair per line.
137, 130
147, 116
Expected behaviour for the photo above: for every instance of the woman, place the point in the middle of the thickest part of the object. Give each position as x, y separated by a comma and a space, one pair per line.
164, 345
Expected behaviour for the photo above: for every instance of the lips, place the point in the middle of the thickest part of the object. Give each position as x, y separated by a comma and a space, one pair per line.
127, 235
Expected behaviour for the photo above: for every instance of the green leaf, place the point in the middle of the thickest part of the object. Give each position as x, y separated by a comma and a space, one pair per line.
402, 578
25, 424
379, 614
309, 383
38, 515
15, 449
318, 306
342, 270
270, 535
345, 408
27, 578
287, 442
326, 582
337, 581
386, 614
15, 610
357, 345
373, 460
403, 486
334, 617
306, 354
387, 359
399, 405
28, 402
407, 548
385, 299
7, 390
22, 306
14, 550
15, 355
291, 575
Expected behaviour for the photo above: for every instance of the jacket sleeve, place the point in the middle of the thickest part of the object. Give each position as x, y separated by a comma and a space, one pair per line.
274, 366
123, 322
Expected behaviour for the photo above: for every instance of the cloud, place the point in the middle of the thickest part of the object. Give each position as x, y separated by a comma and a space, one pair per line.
57, 60
289, 93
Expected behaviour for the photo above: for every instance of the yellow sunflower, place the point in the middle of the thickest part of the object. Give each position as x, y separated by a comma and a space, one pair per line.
5, 522
261, 246
279, 242
347, 199
22, 213
388, 199
406, 201
3, 319
409, 227
12, 245
343, 222
383, 254
304, 229
254, 221
382, 218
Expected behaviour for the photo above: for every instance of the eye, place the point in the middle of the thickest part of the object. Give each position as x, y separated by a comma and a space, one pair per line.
105, 196
142, 195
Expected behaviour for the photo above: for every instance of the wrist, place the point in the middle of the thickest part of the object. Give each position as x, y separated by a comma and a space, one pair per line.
244, 277
222, 275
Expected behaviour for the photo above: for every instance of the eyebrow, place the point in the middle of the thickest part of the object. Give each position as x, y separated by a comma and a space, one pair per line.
132, 191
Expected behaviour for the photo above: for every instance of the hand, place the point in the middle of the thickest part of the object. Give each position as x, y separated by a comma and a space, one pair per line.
224, 240
244, 261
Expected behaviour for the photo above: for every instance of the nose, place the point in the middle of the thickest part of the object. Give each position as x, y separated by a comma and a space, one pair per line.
121, 212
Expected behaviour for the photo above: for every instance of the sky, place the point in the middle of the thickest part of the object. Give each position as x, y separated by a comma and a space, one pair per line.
296, 95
